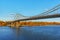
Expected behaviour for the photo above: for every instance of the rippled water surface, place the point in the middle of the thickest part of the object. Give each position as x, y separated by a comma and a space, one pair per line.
30, 33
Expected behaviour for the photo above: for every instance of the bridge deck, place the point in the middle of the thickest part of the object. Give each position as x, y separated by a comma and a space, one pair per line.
39, 17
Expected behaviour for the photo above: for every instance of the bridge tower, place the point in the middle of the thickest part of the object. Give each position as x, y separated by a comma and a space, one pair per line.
16, 17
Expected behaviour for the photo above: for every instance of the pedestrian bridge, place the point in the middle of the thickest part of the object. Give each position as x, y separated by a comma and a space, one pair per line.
44, 15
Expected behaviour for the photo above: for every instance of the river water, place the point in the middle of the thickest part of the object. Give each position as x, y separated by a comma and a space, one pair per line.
30, 33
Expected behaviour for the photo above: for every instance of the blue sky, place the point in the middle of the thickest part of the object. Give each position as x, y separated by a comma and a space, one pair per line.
25, 7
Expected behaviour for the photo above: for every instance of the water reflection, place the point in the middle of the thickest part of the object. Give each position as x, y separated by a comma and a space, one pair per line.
6, 33
30, 33
41, 33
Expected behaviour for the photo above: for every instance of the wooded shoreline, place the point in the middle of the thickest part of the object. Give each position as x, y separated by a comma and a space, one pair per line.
17, 24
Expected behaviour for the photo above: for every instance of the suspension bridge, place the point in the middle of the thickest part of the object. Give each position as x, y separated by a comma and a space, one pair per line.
43, 15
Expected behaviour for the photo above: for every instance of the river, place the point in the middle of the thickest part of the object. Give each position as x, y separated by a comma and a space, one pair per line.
30, 33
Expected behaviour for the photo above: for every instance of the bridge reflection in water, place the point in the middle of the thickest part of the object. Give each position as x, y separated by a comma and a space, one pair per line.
30, 33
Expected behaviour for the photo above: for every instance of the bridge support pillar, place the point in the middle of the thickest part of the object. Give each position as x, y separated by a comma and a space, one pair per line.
17, 24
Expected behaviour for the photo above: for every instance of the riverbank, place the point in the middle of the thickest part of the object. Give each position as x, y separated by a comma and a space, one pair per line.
18, 24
